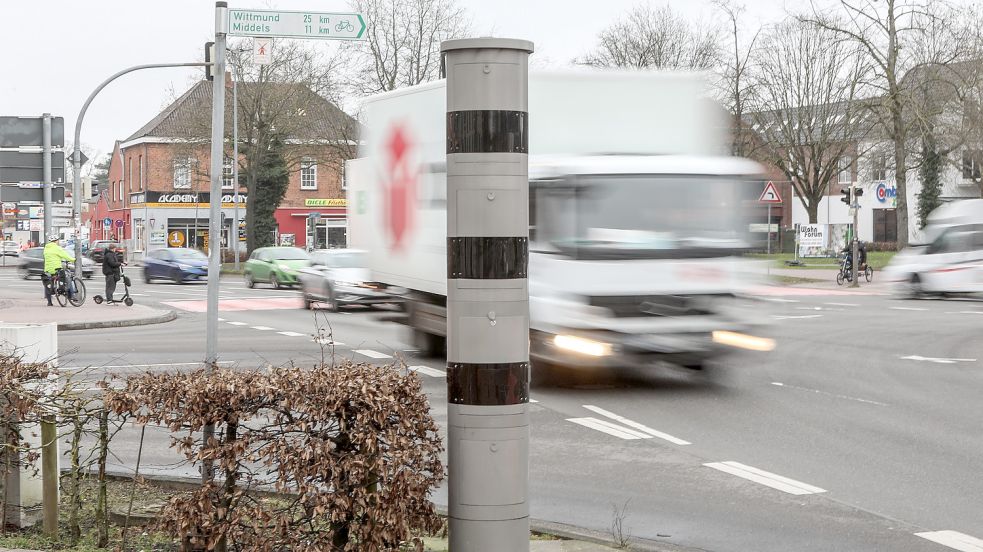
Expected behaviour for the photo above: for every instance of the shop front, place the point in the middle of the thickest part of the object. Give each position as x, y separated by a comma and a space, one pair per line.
162, 219
321, 224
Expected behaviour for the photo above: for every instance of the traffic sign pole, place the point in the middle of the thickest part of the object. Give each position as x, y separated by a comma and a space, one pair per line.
46, 179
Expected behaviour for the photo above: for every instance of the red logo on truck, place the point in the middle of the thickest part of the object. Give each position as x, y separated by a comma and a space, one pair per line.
400, 187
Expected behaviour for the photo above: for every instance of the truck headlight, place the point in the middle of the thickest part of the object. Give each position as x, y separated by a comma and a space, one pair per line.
743, 341
582, 345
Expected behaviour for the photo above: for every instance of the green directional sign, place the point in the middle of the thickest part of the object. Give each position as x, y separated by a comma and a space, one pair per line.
296, 24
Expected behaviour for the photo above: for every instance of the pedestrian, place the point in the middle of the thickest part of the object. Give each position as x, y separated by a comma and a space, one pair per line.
111, 264
53, 256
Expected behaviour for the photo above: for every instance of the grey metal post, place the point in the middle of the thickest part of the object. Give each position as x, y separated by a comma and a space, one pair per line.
46, 174
215, 208
855, 252
769, 229
235, 170
487, 293
77, 152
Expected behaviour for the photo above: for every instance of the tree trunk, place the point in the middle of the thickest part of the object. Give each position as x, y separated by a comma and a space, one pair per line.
813, 211
102, 502
900, 175
75, 501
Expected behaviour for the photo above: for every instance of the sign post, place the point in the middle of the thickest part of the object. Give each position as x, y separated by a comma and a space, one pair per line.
770, 196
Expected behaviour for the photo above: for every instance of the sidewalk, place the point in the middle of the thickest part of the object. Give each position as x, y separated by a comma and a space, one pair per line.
88, 316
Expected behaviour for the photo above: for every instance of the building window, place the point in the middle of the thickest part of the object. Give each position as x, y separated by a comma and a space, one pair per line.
140, 169
971, 163
129, 172
227, 173
846, 170
182, 173
878, 168
885, 225
308, 174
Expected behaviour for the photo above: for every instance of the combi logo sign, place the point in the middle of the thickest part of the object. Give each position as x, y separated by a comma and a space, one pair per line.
884, 193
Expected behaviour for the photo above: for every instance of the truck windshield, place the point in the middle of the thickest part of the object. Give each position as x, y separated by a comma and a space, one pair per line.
642, 216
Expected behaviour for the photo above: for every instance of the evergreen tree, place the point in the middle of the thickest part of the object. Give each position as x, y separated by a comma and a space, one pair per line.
266, 191
929, 173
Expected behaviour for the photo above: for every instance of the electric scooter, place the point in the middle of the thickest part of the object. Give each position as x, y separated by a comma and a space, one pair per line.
126, 299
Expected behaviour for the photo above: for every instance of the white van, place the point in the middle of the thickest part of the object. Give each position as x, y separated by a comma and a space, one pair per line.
948, 257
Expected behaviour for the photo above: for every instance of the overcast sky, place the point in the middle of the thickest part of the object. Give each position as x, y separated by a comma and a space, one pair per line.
56, 52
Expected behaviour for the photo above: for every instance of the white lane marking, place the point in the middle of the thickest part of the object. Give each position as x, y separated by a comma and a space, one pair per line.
428, 371
238, 323
798, 317
533, 401
221, 320
937, 360
609, 428
768, 479
636, 425
814, 309
261, 328
371, 354
292, 334
954, 540
779, 300
965, 312
908, 308
843, 304
817, 391
328, 341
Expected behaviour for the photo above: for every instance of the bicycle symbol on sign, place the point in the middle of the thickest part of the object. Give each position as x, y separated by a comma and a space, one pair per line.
344, 26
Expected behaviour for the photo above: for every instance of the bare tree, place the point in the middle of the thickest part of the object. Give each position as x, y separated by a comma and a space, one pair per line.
654, 38
808, 117
402, 45
897, 36
736, 84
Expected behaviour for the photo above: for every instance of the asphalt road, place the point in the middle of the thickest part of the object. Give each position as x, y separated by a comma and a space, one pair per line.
860, 431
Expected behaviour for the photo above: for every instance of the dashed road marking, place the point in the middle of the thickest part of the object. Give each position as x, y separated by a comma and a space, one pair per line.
327, 341
635, 425
937, 360
954, 540
157, 365
371, 354
819, 392
292, 334
428, 371
261, 328
234, 323
767, 479
965, 312
842, 304
804, 316
779, 300
609, 428
908, 308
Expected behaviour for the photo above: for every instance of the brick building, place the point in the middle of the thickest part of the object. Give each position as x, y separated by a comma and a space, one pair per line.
157, 194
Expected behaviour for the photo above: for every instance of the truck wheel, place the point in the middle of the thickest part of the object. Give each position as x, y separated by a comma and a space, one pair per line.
433, 346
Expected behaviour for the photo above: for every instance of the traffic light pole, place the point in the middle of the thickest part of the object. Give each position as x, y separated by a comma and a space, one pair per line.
855, 252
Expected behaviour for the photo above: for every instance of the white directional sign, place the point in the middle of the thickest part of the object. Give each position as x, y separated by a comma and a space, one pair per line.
770, 195
261, 50
295, 24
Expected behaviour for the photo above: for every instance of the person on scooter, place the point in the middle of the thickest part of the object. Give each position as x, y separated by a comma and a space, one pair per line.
111, 264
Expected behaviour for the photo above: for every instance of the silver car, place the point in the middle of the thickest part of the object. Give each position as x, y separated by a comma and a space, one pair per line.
339, 278
9, 248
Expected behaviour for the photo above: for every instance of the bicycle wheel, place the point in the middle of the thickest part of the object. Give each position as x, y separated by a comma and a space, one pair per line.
61, 294
78, 297
869, 274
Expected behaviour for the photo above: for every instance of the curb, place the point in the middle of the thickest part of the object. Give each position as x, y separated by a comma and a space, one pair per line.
159, 319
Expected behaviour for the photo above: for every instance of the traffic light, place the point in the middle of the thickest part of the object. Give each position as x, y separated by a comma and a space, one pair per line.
209, 58
857, 192
845, 192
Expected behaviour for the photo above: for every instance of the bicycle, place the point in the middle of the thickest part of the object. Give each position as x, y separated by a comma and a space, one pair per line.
846, 272
344, 26
67, 287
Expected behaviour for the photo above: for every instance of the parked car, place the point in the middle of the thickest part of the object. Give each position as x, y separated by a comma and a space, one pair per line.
277, 266
178, 264
98, 248
9, 248
339, 278
32, 264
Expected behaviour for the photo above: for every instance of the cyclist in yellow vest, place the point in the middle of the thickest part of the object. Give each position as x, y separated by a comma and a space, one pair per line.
53, 256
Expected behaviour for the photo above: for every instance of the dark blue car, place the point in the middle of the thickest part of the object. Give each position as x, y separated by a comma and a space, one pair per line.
177, 264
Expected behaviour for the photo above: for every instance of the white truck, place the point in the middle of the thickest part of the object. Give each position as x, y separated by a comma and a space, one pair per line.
636, 218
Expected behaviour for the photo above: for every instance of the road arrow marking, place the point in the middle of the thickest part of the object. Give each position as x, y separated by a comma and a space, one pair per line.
954, 540
768, 479
643, 428
938, 360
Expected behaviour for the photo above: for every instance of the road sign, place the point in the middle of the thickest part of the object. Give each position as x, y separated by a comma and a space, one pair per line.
13, 192
107, 222
70, 156
295, 24
770, 194
119, 223
27, 166
261, 50
28, 131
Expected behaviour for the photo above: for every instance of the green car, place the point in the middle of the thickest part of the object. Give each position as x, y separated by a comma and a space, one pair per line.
276, 265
